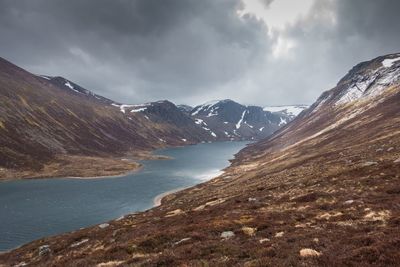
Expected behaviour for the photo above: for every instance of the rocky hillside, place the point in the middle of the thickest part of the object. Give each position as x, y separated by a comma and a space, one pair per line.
322, 191
226, 119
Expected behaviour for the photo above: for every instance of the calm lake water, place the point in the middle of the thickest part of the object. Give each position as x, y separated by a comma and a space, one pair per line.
31, 209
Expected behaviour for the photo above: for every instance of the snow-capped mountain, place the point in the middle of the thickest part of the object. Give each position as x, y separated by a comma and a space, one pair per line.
165, 112
218, 120
290, 111
362, 96
227, 119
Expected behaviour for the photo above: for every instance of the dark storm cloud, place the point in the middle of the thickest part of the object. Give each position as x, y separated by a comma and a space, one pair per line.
191, 51
332, 38
133, 50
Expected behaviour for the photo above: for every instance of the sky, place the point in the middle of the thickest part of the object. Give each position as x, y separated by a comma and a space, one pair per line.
258, 52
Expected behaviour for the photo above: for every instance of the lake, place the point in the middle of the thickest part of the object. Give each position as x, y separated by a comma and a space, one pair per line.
32, 209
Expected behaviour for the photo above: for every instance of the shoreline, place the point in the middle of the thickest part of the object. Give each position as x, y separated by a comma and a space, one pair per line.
157, 200
101, 176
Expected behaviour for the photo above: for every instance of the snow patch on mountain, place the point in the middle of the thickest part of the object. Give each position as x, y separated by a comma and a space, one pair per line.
135, 108
282, 122
239, 124
44, 77
199, 121
289, 110
69, 85
139, 109
208, 106
387, 63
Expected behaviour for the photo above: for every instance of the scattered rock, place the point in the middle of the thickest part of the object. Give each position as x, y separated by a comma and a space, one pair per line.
174, 213
22, 263
182, 240
369, 163
252, 199
227, 234
109, 264
397, 160
327, 215
115, 232
379, 150
201, 207
249, 230
76, 244
209, 203
215, 202
348, 202
308, 252
316, 240
390, 149
120, 218
44, 250
264, 240
279, 234
383, 216
104, 225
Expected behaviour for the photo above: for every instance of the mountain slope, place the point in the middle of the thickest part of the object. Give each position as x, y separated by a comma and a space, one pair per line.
322, 191
46, 120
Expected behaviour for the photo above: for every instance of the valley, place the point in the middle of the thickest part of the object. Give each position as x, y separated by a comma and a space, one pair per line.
321, 191
230, 133
54, 206
52, 127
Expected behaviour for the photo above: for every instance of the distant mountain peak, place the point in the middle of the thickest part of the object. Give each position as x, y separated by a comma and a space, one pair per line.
290, 110
185, 108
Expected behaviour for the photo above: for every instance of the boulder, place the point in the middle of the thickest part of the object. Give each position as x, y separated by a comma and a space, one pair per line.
44, 250
227, 234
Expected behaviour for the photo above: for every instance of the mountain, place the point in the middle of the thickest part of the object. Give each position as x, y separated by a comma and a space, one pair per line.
226, 119
166, 113
321, 191
53, 127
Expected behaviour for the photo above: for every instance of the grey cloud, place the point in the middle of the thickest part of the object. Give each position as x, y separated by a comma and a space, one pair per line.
331, 39
192, 51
